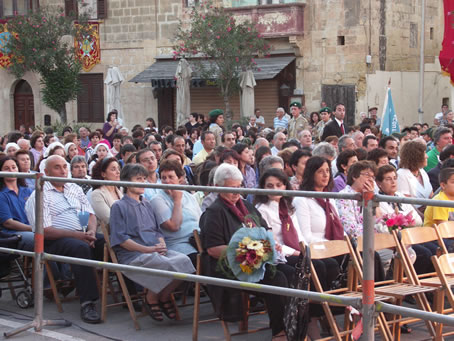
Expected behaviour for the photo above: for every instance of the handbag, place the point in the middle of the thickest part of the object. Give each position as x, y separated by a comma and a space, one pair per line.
296, 314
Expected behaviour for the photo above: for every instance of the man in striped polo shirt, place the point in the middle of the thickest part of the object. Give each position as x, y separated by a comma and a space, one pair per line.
280, 121
70, 230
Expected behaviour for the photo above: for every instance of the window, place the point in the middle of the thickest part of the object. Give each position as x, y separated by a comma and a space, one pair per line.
95, 9
9, 8
191, 3
431, 33
90, 101
340, 40
413, 35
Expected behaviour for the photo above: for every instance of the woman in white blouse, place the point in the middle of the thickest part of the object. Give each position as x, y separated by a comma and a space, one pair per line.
319, 221
312, 213
412, 179
279, 213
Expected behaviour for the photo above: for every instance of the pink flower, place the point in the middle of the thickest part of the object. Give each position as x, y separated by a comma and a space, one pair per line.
218, 37
229, 29
251, 257
390, 222
259, 69
237, 59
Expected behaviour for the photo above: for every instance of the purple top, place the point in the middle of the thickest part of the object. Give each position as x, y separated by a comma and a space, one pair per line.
249, 177
340, 182
37, 154
107, 126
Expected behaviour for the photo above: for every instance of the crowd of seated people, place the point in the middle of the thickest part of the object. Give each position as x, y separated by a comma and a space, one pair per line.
152, 227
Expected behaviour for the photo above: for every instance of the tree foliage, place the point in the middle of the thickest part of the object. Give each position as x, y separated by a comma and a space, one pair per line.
231, 46
42, 42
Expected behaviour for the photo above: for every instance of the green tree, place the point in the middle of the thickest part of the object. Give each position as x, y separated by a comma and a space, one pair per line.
42, 42
213, 34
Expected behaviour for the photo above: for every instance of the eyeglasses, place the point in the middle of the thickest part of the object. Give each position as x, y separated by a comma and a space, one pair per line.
390, 179
368, 175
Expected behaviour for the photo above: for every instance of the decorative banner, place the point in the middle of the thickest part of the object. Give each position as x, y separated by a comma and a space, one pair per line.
4, 38
89, 48
447, 52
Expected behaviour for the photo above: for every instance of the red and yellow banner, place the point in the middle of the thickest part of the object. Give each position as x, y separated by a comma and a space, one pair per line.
447, 50
4, 37
88, 48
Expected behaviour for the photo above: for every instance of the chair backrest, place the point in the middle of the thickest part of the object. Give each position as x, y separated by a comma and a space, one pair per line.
198, 242
329, 249
446, 229
447, 263
105, 228
381, 241
418, 235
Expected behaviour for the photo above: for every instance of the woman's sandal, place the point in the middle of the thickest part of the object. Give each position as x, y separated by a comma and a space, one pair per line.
154, 310
405, 329
168, 309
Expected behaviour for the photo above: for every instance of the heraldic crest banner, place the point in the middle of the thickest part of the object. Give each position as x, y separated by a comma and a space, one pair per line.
4, 38
88, 47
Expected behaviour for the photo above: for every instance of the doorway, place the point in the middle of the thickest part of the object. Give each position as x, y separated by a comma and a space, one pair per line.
345, 94
24, 110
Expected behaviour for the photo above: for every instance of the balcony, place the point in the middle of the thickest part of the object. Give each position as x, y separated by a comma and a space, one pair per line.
279, 18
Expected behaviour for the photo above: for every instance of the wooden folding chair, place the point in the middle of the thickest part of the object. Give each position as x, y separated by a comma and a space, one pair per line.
243, 327
418, 235
395, 287
444, 231
331, 249
444, 266
109, 255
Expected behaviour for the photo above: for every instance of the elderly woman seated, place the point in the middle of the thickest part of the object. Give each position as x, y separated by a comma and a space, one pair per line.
138, 241
218, 223
177, 212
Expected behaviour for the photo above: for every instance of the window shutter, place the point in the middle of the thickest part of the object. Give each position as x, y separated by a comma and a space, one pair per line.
102, 9
90, 101
71, 8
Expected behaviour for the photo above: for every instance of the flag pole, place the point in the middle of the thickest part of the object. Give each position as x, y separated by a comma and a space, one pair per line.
421, 64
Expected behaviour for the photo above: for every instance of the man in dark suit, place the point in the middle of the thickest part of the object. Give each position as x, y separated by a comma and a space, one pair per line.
336, 126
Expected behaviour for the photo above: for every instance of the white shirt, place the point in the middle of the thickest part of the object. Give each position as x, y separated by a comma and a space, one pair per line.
311, 218
387, 208
274, 151
408, 184
270, 212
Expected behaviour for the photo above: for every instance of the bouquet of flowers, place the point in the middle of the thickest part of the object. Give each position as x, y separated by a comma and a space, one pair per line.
398, 221
249, 250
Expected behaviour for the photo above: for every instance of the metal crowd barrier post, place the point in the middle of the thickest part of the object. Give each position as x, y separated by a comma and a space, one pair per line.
38, 323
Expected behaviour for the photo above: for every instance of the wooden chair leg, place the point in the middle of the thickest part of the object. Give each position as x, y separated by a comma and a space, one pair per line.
331, 321
195, 319
439, 301
53, 287
244, 324
105, 276
125, 291
225, 327
177, 311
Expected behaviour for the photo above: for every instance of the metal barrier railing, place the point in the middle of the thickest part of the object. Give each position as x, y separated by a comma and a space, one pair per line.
367, 303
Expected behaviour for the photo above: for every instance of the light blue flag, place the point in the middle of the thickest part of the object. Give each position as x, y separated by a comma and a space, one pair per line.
389, 119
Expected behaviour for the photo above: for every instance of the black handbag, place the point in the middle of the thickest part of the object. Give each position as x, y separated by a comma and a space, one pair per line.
296, 315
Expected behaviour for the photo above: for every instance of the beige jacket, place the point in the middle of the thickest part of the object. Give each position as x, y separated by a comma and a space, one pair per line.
101, 201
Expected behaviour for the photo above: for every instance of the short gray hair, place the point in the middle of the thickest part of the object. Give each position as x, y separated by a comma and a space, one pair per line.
439, 132
280, 109
342, 143
324, 149
225, 172
131, 170
267, 161
77, 159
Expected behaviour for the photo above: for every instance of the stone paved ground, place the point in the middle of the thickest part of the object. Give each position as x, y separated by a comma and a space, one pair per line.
118, 325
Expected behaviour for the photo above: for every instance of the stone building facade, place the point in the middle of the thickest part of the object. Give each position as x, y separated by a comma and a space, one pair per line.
329, 40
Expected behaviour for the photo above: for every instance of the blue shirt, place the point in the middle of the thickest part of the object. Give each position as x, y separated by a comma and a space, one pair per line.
130, 219
13, 205
280, 123
163, 208
197, 147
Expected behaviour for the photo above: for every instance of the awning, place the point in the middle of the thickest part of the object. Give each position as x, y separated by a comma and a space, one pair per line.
161, 74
